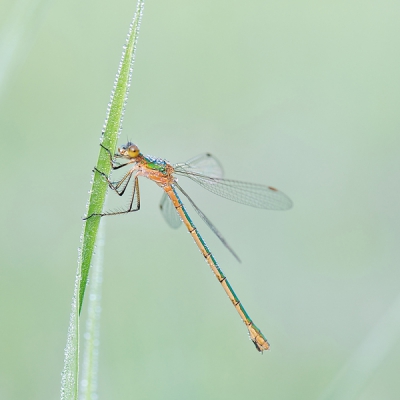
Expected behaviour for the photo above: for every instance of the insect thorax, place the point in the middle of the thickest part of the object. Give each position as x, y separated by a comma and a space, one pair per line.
157, 164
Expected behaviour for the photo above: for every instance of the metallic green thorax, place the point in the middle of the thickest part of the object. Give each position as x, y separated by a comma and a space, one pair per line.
157, 164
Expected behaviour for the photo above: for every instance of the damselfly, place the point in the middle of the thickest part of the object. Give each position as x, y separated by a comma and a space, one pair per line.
207, 172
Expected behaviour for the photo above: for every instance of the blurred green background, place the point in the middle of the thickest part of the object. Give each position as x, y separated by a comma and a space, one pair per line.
300, 95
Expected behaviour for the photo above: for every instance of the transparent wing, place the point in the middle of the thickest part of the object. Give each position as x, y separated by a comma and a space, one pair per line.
208, 222
250, 194
168, 211
204, 164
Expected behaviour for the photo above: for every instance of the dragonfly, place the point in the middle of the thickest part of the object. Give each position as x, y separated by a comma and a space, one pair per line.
206, 171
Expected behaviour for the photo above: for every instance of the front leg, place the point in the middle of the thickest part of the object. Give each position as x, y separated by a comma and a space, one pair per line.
114, 164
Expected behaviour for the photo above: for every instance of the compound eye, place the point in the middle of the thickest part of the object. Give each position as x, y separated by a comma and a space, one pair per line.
133, 151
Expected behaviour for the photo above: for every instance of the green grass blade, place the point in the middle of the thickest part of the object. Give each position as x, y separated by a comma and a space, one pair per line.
111, 132
88, 383
69, 376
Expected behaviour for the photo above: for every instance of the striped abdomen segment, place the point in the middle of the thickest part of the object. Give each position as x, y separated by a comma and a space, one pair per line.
256, 336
